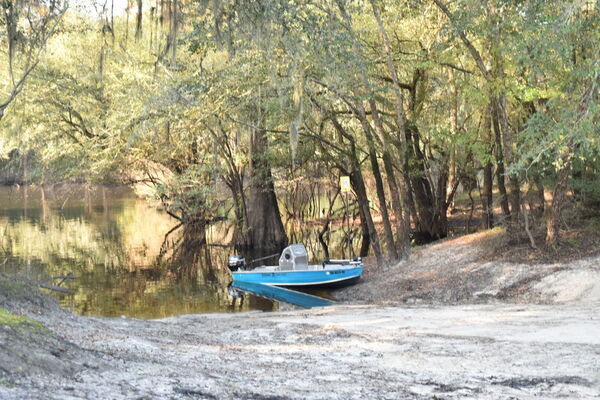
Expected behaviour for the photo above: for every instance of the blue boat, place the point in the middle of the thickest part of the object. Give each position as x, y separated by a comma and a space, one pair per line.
277, 293
295, 271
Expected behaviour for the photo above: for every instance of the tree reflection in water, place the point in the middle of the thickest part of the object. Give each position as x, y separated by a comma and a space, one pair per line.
112, 242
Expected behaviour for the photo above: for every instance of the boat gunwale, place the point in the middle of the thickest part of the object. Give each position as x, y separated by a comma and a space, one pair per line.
254, 271
272, 279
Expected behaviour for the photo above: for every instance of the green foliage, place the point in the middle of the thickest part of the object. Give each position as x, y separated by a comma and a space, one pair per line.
561, 70
191, 193
103, 105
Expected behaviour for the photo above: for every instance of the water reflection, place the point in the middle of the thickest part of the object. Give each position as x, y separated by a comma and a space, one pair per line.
112, 242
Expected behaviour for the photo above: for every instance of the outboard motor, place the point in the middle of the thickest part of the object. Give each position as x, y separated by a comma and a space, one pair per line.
236, 263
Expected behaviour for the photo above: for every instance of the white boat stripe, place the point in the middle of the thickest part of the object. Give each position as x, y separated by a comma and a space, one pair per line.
308, 283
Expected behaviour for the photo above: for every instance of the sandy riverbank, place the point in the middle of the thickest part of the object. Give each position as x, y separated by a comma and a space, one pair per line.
509, 345
352, 352
469, 270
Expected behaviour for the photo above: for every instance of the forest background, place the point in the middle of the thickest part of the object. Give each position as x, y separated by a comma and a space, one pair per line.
250, 111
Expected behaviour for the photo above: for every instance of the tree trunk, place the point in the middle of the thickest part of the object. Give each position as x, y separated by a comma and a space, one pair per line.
266, 232
236, 185
112, 21
11, 20
488, 196
498, 90
442, 201
358, 184
127, 22
365, 238
453, 171
431, 206
44, 202
173, 33
138, 21
539, 210
488, 185
500, 172
325, 228
515, 188
391, 247
558, 199
402, 226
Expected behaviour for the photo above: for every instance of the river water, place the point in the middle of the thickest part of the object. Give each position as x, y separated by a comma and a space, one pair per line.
110, 240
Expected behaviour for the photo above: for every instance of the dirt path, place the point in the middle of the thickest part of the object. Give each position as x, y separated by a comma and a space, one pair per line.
482, 351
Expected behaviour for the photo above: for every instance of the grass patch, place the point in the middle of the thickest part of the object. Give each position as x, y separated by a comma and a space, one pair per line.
10, 319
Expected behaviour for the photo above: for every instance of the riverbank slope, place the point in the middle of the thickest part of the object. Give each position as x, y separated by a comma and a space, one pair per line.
474, 269
481, 329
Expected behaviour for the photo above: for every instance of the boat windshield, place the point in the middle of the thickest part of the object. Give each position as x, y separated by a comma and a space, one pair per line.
293, 257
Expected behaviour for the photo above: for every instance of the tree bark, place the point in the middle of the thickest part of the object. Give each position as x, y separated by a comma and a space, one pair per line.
266, 232
365, 238
127, 9
558, 199
515, 188
358, 184
402, 226
138, 21
500, 172
391, 246
539, 210
236, 185
325, 228
488, 194
453, 171
431, 205
174, 29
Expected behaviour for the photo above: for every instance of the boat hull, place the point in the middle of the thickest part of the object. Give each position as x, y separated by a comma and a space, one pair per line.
295, 279
281, 294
